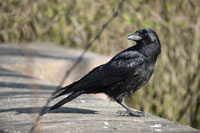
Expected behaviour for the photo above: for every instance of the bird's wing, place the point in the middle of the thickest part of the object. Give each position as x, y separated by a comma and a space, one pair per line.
117, 69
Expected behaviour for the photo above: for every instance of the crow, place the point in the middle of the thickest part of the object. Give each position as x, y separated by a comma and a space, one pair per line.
125, 73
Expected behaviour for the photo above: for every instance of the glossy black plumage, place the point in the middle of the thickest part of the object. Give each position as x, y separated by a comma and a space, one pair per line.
122, 75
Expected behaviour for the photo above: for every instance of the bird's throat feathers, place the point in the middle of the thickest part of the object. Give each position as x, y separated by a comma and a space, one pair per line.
150, 51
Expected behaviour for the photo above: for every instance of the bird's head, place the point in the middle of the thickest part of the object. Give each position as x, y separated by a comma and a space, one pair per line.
145, 36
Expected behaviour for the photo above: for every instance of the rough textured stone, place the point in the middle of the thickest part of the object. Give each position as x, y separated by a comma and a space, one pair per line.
23, 93
47, 62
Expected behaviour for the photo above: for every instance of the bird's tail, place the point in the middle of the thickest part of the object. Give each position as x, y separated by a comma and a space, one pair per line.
66, 100
63, 91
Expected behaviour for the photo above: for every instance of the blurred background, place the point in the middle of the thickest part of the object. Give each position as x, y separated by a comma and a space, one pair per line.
174, 90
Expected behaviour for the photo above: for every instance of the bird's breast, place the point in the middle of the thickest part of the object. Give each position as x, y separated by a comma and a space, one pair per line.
141, 76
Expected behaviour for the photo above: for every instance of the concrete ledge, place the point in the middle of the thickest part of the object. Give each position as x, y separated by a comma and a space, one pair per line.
24, 89
47, 62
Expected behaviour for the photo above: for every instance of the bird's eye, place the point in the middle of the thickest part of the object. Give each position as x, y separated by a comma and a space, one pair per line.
145, 32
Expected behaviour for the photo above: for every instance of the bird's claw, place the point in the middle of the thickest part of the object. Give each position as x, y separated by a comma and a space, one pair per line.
131, 113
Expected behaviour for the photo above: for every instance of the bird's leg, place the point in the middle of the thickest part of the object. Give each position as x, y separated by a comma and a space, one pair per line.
129, 110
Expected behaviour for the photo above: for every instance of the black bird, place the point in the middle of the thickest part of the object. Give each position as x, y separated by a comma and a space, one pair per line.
122, 75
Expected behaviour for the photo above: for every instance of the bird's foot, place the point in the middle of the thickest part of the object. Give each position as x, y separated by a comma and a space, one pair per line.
131, 113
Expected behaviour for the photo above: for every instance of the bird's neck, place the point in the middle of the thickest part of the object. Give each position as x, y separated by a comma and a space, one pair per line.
149, 51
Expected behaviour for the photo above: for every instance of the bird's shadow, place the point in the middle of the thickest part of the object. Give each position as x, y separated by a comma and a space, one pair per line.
30, 110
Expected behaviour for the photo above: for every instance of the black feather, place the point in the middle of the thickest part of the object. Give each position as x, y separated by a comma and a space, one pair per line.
66, 100
63, 91
122, 75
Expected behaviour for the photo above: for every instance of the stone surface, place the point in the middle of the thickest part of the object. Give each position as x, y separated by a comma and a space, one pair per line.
24, 90
47, 62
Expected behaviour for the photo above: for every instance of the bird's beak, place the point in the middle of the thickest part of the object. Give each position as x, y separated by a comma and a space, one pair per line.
134, 37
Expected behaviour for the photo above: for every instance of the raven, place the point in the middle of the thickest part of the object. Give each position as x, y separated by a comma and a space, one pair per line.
125, 73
